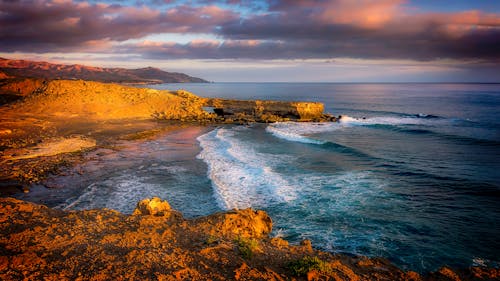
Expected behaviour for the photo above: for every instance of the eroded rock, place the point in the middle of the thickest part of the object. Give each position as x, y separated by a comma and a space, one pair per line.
237, 223
154, 206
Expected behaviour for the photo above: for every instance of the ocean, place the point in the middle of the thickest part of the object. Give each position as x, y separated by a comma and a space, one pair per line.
410, 173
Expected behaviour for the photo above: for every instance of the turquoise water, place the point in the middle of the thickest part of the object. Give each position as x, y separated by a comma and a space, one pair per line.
410, 172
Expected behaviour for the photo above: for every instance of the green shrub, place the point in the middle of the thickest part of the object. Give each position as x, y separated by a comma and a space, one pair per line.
306, 264
246, 246
211, 239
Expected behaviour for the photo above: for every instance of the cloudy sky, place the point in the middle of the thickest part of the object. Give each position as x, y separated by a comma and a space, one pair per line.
277, 40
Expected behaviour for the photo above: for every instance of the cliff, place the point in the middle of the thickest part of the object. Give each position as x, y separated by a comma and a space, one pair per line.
268, 110
45, 70
157, 243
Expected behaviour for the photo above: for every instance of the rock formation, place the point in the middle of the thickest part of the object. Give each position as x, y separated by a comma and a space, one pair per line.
154, 207
267, 110
38, 243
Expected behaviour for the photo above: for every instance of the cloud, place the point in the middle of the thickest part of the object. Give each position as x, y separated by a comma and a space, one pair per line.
44, 26
284, 29
372, 29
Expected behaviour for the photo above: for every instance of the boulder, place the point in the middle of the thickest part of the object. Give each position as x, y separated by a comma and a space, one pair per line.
154, 206
245, 223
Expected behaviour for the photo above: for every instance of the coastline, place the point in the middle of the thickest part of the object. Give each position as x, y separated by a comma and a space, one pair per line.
157, 243
106, 133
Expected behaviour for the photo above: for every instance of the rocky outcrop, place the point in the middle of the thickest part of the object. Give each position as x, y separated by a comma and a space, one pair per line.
245, 223
38, 243
45, 70
267, 110
154, 207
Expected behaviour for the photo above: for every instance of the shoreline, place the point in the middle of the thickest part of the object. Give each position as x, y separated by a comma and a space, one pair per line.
37, 132
170, 145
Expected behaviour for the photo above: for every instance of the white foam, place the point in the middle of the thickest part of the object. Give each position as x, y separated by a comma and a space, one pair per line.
241, 176
299, 132
303, 132
386, 120
119, 192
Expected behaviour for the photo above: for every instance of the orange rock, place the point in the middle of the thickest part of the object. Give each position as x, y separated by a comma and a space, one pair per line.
243, 223
154, 206
445, 273
485, 273
278, 242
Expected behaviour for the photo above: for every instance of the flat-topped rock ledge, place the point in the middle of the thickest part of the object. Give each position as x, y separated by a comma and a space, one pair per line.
158, 243
267, 111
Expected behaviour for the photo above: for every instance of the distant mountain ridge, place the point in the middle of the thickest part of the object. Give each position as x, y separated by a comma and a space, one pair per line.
46, 70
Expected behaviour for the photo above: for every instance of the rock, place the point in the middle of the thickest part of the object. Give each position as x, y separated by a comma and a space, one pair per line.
306, 243
271, 111
485, 273
245, 223
154, 206
279, 242
5, 132
445, 274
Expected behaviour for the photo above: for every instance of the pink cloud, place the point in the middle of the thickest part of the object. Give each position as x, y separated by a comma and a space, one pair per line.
364, 13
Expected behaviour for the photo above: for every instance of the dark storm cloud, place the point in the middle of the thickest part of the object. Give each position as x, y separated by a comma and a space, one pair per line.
284, 30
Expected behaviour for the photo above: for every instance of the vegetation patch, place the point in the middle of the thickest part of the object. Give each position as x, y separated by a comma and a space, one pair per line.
247, 246
307, 264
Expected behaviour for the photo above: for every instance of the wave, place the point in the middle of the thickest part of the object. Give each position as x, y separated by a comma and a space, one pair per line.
116, 192
417, 124
418, 119
301, 132
297, 132
241, 176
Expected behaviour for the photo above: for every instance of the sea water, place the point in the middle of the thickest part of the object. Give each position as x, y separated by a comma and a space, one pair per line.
409, 173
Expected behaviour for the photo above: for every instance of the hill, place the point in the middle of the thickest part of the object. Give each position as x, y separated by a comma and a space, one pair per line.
46, 70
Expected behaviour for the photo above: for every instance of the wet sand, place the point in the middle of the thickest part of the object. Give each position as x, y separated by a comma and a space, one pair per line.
118, 168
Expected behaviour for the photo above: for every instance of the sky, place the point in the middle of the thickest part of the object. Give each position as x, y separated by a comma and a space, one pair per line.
264, 41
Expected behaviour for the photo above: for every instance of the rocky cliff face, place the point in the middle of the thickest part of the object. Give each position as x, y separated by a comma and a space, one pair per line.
267, 110
157, 243
45, 70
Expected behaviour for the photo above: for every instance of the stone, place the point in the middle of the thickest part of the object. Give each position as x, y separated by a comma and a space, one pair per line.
154, 207
245, 223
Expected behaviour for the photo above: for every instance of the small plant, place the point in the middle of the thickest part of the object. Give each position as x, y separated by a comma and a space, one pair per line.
246, 246
211, 239
306, 264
